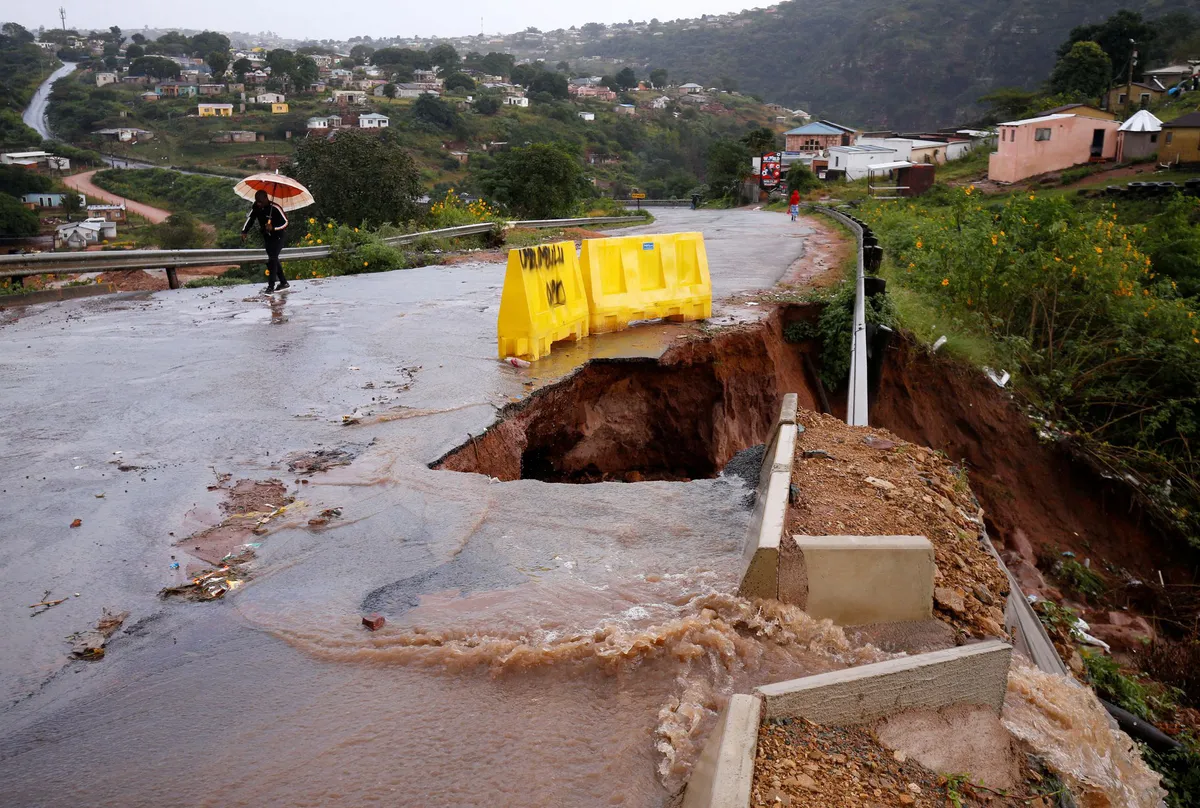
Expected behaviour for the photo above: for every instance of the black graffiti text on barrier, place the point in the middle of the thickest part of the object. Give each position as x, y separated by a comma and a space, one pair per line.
542, 257
556, 295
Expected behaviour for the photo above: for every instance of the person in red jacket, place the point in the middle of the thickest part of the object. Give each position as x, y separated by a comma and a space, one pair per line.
794, 205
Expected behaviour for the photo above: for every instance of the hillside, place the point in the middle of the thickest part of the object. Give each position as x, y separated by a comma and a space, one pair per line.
915, 64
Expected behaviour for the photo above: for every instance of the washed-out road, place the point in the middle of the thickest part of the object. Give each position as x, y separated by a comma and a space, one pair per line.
547, 644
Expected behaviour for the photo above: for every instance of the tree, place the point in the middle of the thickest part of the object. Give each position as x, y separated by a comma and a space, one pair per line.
760, 141
459, 81
728, 162
139, 39
498, 64
540, 181
218, 62
389, 90
17, 32
73, 205
304, 72
728, 84
134, 51
487, 105
801, 178
658, 77
17, 181
435, 113
241, 67
15, 219
1008, 104
114, 35
358, 177
563, 67
1085, 71
361, 54
208, 41
1118, 36
445, 57
554, 84
154, 66
626, 78
181, 231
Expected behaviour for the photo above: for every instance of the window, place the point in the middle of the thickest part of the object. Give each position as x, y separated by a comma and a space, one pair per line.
1003, 135
1121, 99
1154, 137
1042, 134
1169, 136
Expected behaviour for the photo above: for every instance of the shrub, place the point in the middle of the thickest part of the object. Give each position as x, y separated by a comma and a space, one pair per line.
453, 210
1145, 701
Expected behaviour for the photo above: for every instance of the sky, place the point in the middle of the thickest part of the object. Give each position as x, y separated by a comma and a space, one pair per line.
322, 19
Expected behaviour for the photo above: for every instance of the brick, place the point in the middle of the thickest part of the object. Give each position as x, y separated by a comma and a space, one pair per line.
374, 622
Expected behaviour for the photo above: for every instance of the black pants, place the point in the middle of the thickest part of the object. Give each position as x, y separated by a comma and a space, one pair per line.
275, 276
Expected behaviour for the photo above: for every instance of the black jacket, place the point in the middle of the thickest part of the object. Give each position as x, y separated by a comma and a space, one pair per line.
272, 213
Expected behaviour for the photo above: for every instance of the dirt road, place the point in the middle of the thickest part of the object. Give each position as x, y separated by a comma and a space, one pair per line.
83, 184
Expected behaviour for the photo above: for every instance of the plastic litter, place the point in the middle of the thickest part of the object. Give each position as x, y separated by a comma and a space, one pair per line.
999, 378
517, 361
938, 344
174, 565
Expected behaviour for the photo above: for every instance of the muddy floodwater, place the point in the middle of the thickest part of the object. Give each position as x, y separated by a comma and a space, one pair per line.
546, 643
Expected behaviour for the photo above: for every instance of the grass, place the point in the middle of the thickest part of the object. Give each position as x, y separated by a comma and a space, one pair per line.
1147, 702
220, 280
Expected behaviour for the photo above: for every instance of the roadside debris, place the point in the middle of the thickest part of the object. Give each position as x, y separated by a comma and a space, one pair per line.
90, 644
215, 583
45, 604
373, 622
516, 362
999, 378
77, 523
324, 459
324, 516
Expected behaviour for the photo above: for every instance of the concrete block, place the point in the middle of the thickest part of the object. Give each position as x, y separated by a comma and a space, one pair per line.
787, 412
374, 622
968, 674
855, 580
724, 774
760, 572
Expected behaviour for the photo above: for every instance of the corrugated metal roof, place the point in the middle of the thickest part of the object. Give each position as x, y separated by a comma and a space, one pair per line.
1142, 121
1041, 119
1190, 121
815, 128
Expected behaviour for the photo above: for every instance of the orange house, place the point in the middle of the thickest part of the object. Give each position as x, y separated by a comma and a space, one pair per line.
1050, 143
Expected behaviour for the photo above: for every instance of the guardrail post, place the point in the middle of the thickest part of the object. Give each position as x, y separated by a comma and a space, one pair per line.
172, 278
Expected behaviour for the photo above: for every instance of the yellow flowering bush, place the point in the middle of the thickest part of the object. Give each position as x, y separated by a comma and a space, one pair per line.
453, 210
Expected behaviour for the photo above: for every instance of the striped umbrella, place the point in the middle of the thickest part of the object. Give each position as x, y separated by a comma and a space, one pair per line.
283, 191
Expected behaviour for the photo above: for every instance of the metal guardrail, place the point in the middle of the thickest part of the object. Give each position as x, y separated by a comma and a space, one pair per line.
69, 263
856, 395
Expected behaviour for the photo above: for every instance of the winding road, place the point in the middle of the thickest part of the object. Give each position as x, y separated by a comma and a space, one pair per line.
34, 115
83, 183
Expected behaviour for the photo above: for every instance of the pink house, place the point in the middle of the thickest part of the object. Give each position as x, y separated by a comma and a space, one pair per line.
1050, 143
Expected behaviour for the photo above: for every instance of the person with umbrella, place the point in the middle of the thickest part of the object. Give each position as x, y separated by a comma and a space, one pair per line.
272, 223
273, 194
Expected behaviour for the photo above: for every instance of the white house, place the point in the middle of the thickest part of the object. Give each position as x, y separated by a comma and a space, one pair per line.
902, 146
587, 116
317, 122
349, 97
516, 100
372, 120
856, 161
269, 98
105, 78
35, 158
49, 200
661, 102
80, 234
409, 90
691, 88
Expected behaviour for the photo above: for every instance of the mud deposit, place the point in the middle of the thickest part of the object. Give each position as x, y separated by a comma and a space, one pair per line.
248, 504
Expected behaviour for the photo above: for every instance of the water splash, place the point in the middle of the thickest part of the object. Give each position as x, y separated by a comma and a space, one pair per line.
1067, 726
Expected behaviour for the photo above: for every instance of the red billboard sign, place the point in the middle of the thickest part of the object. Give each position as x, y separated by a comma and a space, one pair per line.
768, 172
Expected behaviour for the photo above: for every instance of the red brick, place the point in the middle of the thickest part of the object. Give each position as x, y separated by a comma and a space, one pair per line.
373, 621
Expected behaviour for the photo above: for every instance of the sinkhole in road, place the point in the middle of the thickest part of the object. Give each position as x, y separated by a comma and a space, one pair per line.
679, 417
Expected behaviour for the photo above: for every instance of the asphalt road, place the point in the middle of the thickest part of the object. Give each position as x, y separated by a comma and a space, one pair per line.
34, 115
275, 695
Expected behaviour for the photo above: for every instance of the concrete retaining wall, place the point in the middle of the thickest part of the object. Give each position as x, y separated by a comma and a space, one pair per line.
969, 674
855, 580
760, 572
724, 774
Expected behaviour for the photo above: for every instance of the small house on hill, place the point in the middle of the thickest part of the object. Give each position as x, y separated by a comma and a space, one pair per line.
1180, 141
1050, 143
1133, 96
817, 137
1138, 136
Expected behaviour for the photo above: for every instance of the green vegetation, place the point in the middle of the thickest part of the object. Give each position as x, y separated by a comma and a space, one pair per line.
15, 220
1099, 337
539, 181
208, 198
1147, 702
1079, 578
359, 177
928, 62
181, 231
23, 66
1085, 71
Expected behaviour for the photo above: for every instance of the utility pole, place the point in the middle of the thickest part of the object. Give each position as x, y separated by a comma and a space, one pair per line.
62, 16
1132, 62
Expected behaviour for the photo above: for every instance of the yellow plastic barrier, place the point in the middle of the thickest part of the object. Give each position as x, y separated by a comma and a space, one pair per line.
543, 300
645, 278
